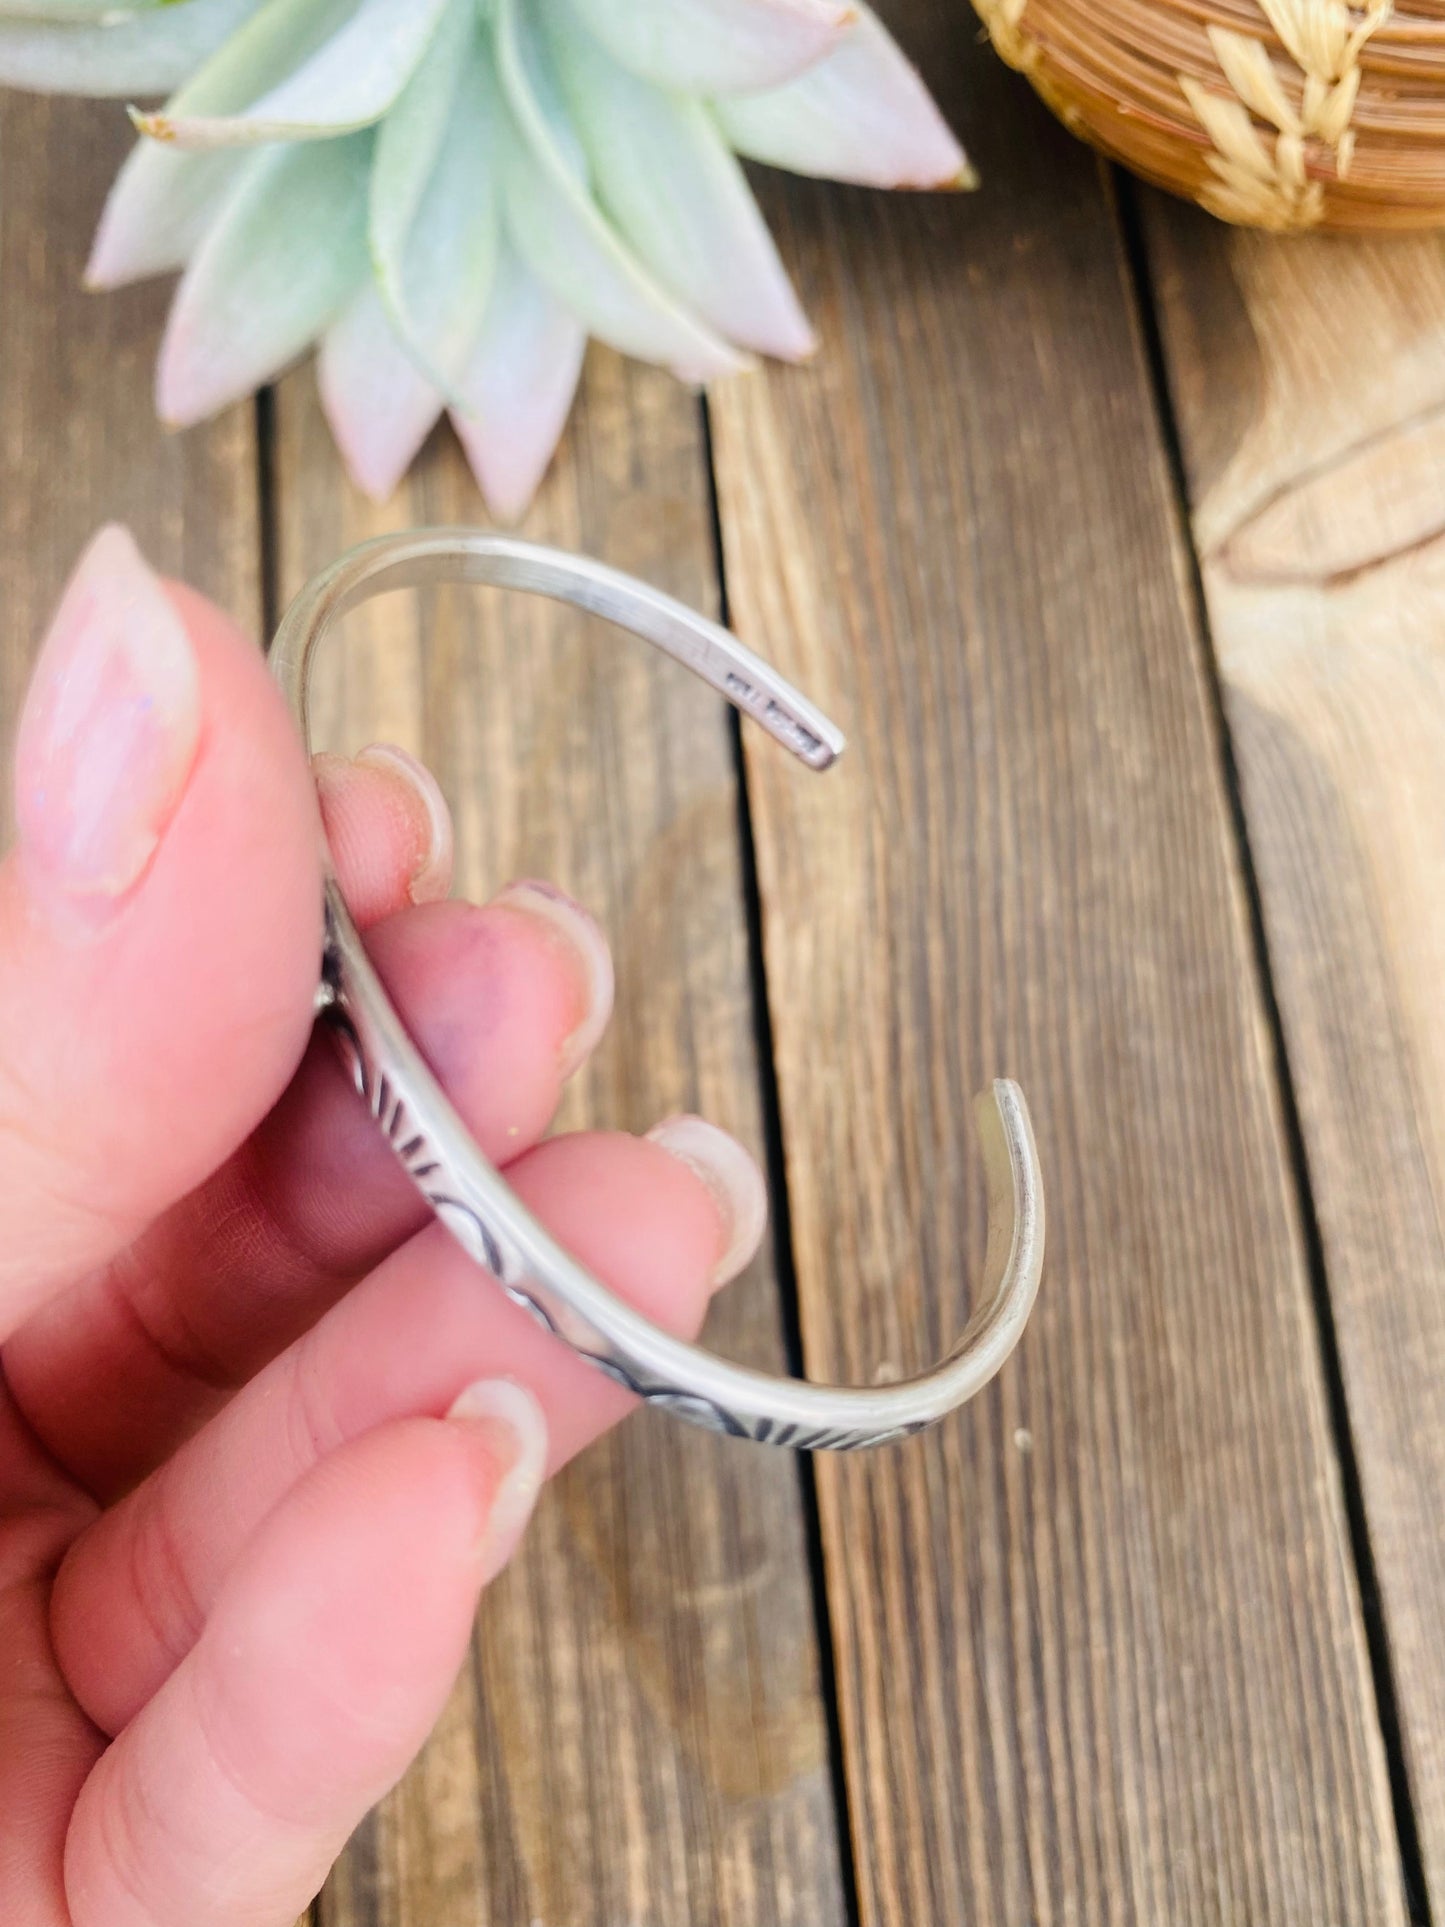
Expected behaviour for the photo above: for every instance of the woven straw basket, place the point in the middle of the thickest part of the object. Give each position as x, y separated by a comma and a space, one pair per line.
1278, 113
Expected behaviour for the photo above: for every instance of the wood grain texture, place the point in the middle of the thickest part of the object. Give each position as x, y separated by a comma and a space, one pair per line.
1099, 1645
641, 1737
79, 442
1320, 524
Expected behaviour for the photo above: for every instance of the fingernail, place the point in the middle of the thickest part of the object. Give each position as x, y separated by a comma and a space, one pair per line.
432, 878
109, 730
734, 1179
515, 1432
582, 935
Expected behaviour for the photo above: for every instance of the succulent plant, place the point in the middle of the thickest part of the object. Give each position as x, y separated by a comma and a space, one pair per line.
449, 196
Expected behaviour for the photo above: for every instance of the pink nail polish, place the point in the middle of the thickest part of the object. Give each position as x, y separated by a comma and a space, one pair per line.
509, 1419
109, 730
582, 935
433, 878
734, 1180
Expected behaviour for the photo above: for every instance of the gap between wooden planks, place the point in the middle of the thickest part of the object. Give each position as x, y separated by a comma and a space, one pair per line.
642, 1732
641, 1736
1142, 1690
1309, 386
1099, 1643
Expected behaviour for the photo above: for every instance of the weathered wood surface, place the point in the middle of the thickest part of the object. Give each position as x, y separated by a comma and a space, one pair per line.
1309, 385
1099, 1645
79, 442
641, 1737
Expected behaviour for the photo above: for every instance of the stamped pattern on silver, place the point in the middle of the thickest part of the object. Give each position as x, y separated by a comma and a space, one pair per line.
472, 1199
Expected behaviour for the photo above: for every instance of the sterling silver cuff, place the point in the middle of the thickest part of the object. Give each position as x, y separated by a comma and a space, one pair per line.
471, 1197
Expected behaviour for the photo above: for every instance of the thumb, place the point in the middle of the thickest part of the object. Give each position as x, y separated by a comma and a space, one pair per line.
159, 918
324, 1663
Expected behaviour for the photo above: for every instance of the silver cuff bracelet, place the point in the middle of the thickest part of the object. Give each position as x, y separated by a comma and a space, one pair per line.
471, 1197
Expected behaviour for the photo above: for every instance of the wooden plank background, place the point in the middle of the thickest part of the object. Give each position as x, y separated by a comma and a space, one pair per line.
641, 1736
78, 439
1318, 505
1123, 1574
1100, 1648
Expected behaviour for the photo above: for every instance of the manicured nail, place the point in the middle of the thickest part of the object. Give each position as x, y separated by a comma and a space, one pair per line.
734, 1180
109, 731
515, 1432
432, 878
582, 935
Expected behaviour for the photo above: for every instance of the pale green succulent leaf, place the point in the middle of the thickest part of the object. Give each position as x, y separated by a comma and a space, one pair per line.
862, 114
532, 86
277, 37
663, 172
379, 403
149, 53
163, 200
539, 170
517, 391
349, 82
261, 287
566, 240
157, 210
717, 46
435, 213
410, 138
81, 10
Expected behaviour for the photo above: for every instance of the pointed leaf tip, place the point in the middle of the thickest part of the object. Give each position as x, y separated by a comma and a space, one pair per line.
380, 406
335, 73
258, 289
860, 114
155, 126
565, 238
519, 388
663, 173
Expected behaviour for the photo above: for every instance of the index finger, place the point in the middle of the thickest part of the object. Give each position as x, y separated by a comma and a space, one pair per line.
159, 919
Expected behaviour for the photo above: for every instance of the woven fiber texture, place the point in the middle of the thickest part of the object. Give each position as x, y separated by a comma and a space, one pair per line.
1278, 113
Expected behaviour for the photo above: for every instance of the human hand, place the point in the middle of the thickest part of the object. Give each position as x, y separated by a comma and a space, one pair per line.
264, 1430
